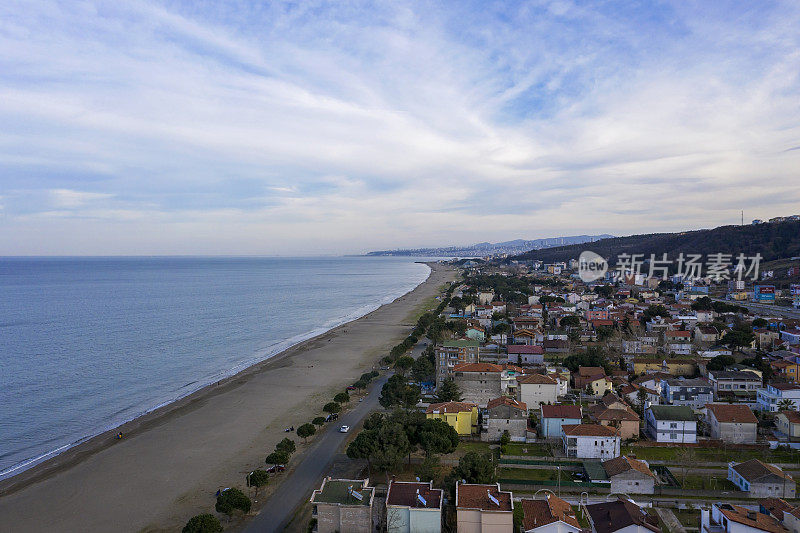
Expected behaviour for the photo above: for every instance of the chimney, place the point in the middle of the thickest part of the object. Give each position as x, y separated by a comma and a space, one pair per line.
751, 515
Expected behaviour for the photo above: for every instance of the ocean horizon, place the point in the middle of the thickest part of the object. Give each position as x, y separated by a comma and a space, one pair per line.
89, 343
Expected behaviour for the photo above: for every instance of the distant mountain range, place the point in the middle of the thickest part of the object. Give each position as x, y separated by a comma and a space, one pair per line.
773, 241
483, 249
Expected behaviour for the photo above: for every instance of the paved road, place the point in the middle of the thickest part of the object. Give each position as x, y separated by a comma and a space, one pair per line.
296, 489
767, 310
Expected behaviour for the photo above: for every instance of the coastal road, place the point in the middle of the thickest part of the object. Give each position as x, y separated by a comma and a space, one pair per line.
768, 310
297, 487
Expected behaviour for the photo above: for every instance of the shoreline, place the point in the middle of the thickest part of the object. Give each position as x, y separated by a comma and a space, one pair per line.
155, 434
107, 436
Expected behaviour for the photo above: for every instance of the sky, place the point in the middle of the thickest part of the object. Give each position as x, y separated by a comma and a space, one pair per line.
303, 128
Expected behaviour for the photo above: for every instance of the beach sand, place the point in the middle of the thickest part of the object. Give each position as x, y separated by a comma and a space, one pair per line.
170, 462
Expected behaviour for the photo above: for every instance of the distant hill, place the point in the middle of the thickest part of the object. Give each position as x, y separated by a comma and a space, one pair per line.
773, 241
487, 248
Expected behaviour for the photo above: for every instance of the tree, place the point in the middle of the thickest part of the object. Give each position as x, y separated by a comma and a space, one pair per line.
393, 445
505, 439
257, 478
277, 458
437, 437
604, 332
786, 405
475, 467
403, 364
306, 430
720, 362
363, 446
286, 445
203, 523
703, 303
232, 499
342, 397
686, 457
429, 469
570, 321
448, 392
318, 421
396, 391
332, 407
422, 370
360, 384
738, 337
759, 323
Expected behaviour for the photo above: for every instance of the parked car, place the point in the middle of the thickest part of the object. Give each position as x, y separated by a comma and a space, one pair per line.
344, 429
276, 468
351, 387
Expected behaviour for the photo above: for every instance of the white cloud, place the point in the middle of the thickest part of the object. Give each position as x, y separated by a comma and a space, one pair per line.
345, 128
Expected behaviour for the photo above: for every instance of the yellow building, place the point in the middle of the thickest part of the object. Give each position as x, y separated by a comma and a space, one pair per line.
601, 386
463, 416
675, 367
788, 369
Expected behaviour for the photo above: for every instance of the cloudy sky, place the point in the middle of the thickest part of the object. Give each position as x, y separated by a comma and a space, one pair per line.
256, 127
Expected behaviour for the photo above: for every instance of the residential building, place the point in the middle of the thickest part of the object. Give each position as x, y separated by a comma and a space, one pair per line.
678, 342
594, 378
463, 416
771, 398
553, 417
590, 441
479, 382
483, 509
732, 424
454, 352
730, 518
476, 333
525, 354
788, 423
731, 383
625, 419
551, 515
787, 368
413, 507
623, 516
343, 505
791, 336
692, 392
506, 414
761, 480
706, 334
671, 423
629, 476
536, 389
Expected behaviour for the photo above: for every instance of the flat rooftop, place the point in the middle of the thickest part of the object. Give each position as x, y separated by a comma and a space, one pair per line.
337, 491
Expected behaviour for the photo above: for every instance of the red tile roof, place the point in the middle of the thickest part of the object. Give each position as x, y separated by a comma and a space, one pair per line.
561, 411
405, 493
470, 496
505, 400
756, 520
535, 379
450, 407
589, 430
623, 464
732, 413
538, 513
477, 367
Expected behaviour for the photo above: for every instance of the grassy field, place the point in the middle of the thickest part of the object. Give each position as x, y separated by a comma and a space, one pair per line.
534, 474
716, 455
706, 482
688, 517
536, 450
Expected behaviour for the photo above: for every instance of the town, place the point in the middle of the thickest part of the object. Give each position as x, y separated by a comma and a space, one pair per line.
530, 400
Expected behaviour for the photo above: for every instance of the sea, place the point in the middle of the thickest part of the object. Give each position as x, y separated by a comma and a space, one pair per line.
87, 344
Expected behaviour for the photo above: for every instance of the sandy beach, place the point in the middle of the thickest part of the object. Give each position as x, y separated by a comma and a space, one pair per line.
171, 461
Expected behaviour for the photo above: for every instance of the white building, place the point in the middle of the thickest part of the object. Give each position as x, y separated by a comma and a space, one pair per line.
536, 389
671, 423
774, 393
730, 518
590, 441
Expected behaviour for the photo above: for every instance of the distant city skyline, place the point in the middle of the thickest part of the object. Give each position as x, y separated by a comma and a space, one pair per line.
247, 128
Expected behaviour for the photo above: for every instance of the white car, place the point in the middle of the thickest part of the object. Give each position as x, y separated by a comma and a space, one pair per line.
344, 429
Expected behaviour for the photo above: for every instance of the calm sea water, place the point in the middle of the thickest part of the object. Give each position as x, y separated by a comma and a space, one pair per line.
89, 343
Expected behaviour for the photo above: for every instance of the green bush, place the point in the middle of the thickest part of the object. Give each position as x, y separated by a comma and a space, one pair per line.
277, 458
203, 523
231, 500
257, 478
